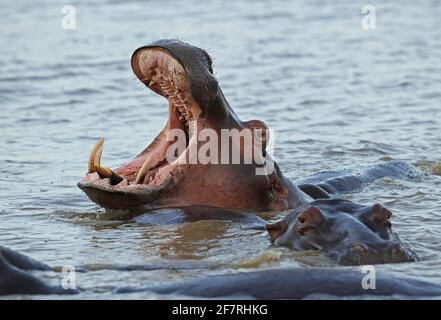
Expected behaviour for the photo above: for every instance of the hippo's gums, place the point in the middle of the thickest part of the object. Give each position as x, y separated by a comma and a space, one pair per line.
349, 233
298, 283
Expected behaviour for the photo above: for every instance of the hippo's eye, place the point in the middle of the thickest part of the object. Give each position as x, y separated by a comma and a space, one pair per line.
259, 134
302, 220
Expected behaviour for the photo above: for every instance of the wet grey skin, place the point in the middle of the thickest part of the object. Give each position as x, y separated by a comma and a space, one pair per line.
279, 283
16, 278
348, 233
325, 184
298, 283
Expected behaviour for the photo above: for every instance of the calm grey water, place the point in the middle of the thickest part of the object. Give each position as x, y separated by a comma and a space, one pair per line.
337, 96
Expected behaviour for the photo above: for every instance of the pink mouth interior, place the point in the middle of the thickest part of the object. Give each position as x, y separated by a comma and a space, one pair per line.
158, 70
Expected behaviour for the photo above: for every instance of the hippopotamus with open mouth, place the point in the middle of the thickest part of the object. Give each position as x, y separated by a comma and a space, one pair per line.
183, 74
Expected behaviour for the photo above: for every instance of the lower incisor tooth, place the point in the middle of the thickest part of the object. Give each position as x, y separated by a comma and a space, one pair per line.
143, 171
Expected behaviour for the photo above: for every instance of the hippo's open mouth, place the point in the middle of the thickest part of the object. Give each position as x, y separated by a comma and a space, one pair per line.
150, 171
166, 76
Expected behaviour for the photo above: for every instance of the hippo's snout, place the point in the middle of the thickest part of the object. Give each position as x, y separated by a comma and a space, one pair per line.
390, 252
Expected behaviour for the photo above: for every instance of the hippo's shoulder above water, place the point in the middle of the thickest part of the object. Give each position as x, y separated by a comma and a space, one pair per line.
328, 183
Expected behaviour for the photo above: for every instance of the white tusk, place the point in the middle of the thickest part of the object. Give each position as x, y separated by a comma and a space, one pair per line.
143, 171
95, 155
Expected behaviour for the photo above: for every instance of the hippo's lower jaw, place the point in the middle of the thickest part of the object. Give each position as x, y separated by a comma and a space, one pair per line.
361, 254
121, 198
166, 173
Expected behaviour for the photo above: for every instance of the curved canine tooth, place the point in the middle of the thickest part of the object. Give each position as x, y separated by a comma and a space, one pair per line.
95, 155
104, 172
143, 171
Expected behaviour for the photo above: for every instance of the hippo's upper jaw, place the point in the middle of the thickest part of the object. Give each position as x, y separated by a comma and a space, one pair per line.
348, 233
163, 175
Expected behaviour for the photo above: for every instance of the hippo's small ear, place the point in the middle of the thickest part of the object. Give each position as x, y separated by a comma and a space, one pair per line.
311, 215
380, 214
309, 219
275, 229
